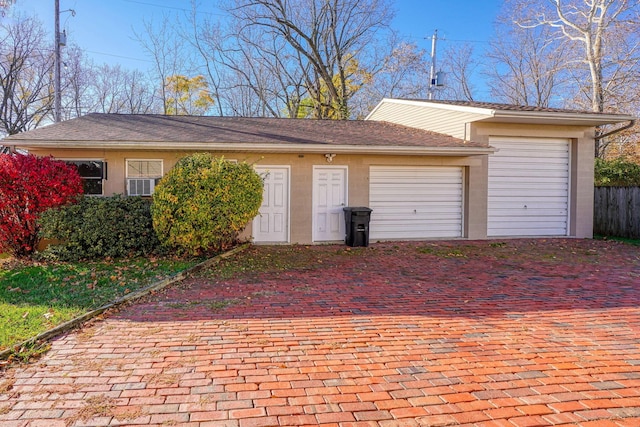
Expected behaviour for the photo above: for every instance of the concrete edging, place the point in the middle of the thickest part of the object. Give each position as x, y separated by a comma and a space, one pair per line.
75, 322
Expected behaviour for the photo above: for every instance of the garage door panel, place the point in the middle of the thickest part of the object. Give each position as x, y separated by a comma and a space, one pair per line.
415, 202
408, 217
448, 191
533, 194
407, 206
405, 232
528, 187
552, 215
558, 179
446, 181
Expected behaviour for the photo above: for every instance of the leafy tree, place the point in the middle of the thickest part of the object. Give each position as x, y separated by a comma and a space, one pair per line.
204, 202
403, 72
30, 185
187, 95
322, 104
616, 172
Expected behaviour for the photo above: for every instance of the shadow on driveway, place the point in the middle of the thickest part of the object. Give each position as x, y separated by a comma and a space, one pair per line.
474, 334
433, 279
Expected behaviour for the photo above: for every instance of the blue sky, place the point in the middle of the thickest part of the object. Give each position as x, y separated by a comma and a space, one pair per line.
104, 28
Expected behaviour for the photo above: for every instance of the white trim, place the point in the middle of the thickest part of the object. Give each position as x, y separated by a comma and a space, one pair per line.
314, 237
150, 181
150, 178
264, 148
135, 159
266, 168
426, 103
515, 116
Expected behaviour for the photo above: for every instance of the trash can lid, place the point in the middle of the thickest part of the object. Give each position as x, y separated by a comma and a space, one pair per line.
357, 209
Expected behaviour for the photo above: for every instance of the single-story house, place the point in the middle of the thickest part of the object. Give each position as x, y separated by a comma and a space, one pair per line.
428, 169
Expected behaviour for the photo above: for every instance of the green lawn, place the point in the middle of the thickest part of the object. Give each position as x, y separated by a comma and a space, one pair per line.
35, 297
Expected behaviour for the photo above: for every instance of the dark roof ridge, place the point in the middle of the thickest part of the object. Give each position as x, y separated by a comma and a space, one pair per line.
505, 107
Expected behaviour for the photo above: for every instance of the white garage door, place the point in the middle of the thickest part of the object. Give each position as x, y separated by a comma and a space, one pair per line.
415, 202
528, 187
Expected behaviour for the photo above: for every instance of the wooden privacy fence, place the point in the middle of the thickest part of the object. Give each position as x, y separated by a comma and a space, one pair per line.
617, 212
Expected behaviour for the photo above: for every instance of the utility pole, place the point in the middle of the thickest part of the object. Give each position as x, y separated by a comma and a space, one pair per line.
60, 40
432, 72
57, 96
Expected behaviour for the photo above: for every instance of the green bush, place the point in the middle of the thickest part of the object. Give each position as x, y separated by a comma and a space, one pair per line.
616, 172
204, 202
98, 227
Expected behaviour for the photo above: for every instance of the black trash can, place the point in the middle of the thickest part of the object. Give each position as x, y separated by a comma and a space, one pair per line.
357, 226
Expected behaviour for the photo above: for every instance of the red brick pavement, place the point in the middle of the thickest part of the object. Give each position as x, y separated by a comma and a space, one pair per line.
520, 333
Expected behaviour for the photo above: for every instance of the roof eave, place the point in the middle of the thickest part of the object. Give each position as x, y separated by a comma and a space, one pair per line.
426, 103
260, 148
555, 118
490, 115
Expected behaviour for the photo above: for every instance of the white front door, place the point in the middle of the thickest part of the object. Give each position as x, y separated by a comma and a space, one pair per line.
272, 223
329, 198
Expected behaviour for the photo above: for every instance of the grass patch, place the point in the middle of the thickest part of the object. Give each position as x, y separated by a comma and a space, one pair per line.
447, 252
35, 297
257, 260
629, 241
220, 305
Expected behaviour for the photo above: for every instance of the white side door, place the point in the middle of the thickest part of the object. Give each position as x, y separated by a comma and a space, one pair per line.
272, 223
329, 198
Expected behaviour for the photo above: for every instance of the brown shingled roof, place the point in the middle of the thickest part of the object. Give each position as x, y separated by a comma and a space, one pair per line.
505, 107
239, 130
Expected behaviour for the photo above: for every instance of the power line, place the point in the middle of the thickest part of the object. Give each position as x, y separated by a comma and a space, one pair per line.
445, 39
171, 7
157, 5
119, 56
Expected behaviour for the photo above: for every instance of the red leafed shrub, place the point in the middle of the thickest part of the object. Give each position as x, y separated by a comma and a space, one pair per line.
30, 185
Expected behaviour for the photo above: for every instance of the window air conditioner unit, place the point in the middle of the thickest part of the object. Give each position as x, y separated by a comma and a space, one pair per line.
140, 186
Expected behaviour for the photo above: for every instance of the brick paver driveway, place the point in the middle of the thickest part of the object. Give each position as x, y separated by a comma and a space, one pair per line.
514, 333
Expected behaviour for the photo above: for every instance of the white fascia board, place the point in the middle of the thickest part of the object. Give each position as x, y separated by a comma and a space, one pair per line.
425, 103
513, 116
585, 119
261, 148
372, 112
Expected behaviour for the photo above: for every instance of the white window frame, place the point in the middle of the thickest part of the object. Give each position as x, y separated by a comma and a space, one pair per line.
153, 179
104, 171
